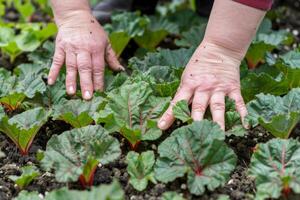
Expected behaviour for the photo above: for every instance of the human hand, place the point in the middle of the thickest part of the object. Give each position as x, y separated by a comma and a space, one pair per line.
211, 74
83, 45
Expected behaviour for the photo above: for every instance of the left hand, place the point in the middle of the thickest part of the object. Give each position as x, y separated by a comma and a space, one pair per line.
211, 74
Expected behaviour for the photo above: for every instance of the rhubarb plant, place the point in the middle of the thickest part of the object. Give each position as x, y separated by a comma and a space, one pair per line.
140, 169
199, 151
133, 111
22, 128
29, 173
111, 191
77, 112
181, 111
278, 115
275, 167
75, 154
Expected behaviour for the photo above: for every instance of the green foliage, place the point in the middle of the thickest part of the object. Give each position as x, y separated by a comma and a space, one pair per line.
27, 39
133, 111
112, 191
75, 154
278, 115
199, 151
77, 112
181, 111
29, 173
22, 128
274, 166
233, 123
172, 196
140, 169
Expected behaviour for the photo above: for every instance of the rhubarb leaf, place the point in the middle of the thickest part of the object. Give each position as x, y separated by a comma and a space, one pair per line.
111, 191
22, 128
29, 173
155, 32
181, 111
77, 153
140, 169
274, 166
192, 37
199, 151
133, 110
278, 115
77, 112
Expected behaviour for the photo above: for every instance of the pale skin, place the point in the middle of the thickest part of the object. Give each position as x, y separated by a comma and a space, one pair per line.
211, 74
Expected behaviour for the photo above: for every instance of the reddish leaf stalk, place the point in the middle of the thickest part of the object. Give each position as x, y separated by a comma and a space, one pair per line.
135, 145
88, 183
286, 191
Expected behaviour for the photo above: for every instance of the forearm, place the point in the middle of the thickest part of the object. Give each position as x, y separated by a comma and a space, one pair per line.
64, 10
232, 25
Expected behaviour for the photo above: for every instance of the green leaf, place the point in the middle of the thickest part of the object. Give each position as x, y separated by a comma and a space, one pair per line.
172, 196
156, 31
123, 39
133, 110
192, 37
199, 151
111, 191
140, 169
181, 111
77, 153
77, 112
29, 173
22, 128
279, 115
274, 166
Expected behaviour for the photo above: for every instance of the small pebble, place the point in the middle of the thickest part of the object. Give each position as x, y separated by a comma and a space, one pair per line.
153, 146
295, 32
230, 181
183, 186
41, 196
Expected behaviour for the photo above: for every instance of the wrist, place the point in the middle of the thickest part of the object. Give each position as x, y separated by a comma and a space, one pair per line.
75, 17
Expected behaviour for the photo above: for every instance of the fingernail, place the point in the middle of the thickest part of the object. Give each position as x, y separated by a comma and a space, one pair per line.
122, 68
71, 90
50, 81
87, 95
162, 124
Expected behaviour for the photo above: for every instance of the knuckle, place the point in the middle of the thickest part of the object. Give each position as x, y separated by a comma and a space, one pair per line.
98, 72
239, 103
219, 106
198, 107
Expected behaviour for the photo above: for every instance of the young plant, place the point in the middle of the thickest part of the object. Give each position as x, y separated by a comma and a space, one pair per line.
74, 155
77, 112
22, 128
29, 173
278, 115
199, 151
233, 123
140, 169
133, 111
111, 191
275, 167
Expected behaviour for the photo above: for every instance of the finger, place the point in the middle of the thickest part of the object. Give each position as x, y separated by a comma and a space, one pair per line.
167, 119
71, 69
240, 105
217, 108
112, 59
84, 65
199, 105
98, 71
58, 61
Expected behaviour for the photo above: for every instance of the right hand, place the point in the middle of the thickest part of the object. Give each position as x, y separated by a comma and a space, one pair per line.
83, 45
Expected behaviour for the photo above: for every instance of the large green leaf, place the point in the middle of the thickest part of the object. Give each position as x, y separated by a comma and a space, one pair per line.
29, 173
22, 128
111, 191
192, 37
77, 153
199, 151
77, 112
133, 110
274, 166
140, 169
279, 115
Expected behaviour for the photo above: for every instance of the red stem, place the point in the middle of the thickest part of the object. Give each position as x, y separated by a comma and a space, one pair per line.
88, 183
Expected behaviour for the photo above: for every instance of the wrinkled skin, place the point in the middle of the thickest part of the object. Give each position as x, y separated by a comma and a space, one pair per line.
83, 45
211, 74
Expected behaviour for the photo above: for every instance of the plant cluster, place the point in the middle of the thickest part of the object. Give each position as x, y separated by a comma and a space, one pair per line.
127, 112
